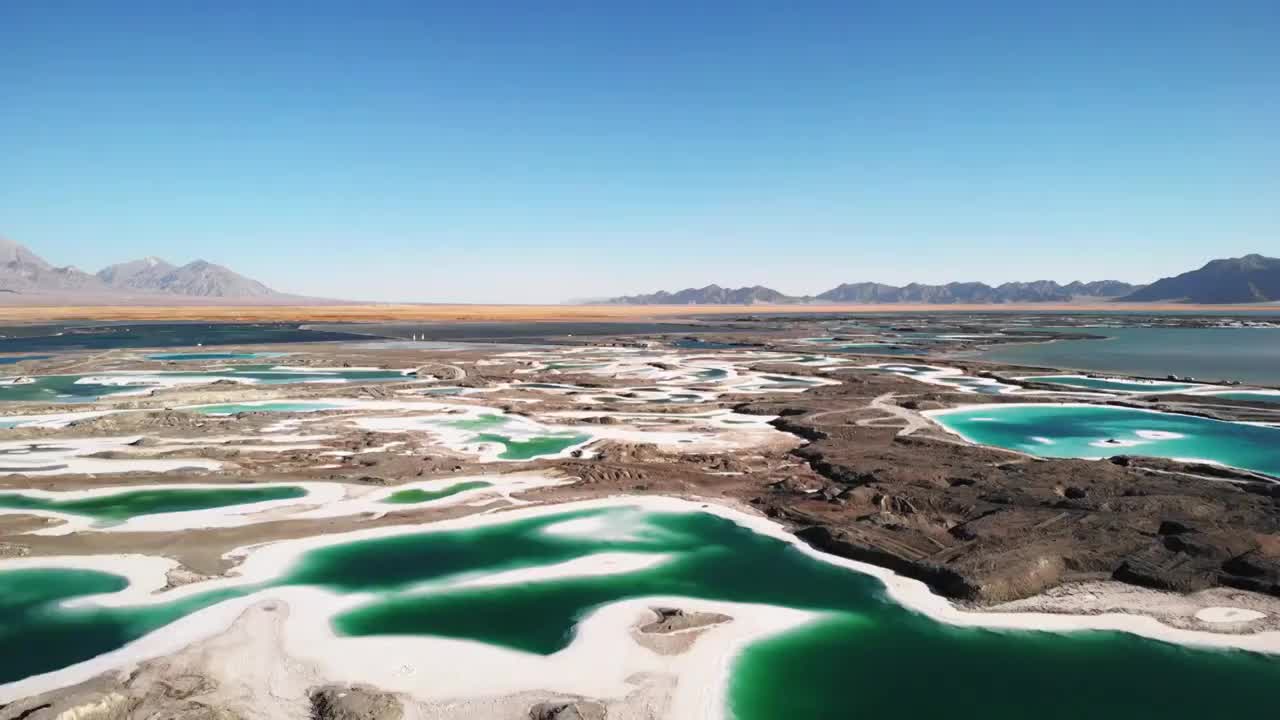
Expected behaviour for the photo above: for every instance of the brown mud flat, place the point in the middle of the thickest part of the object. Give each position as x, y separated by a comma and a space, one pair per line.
531, 313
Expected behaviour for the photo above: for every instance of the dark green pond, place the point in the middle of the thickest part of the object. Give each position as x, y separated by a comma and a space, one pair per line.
865, 657
124, 505
420, 495
531, 448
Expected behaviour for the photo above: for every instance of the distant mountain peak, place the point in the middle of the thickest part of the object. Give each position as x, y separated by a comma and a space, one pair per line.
198, 278
13, 253
709, 295
1249, 279
23, 273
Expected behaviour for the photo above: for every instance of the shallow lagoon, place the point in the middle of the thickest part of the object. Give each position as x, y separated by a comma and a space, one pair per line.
1245, 354
864, 654
1095, 431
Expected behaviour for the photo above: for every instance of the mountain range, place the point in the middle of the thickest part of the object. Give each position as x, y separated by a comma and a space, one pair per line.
27, 277
1250, 279
863, 293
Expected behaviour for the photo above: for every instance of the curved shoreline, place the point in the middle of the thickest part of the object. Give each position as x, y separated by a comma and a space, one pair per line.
146, 574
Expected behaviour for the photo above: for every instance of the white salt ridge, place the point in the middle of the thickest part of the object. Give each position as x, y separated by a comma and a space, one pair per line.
50, 421
675, 370
1228, 615
439, 426
501, 486
323, 500
1158, 435
68, 456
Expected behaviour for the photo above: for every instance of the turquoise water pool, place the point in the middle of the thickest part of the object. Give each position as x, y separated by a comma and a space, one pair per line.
1096, 431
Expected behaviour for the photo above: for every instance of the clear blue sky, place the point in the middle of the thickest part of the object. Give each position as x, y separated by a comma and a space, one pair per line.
536, 151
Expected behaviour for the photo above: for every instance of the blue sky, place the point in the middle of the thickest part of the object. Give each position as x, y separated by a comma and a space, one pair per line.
532, 152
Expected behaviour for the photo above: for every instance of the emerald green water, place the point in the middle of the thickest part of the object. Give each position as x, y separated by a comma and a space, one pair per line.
480, 422
418, 495
906, 666
533, 447
865, 656
124, 505
1073, 431
52, 636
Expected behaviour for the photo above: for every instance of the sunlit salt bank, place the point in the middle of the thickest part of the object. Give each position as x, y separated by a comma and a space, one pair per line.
485, 432
712, 431
625, 395
546, 600
87, 388
50, 421
58, 457
672, 373
953, 378
1096, 431
173, 507
479, 490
